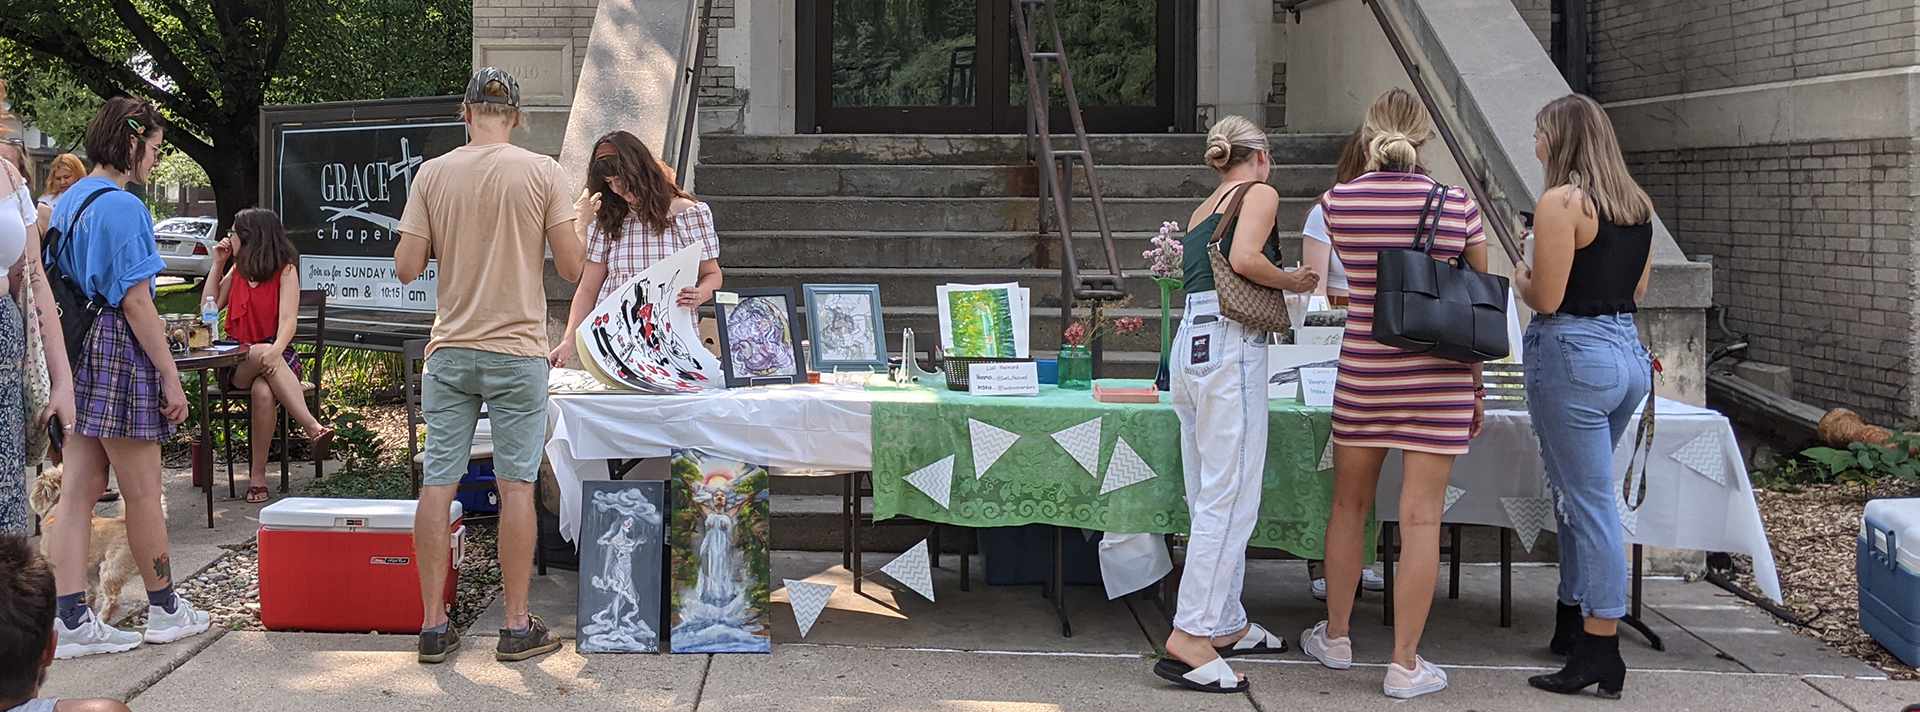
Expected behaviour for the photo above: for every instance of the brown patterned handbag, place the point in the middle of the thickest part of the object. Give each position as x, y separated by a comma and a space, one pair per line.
1255, 305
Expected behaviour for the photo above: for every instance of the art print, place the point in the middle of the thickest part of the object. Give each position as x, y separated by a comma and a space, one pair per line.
721, 570
640, 338
758, 343
984, 320
622, 548
845, 325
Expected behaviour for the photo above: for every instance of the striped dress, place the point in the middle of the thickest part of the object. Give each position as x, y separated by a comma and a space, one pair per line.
1386, 397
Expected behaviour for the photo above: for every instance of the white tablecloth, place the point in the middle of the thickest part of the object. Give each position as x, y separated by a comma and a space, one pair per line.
820, 428
1684, 509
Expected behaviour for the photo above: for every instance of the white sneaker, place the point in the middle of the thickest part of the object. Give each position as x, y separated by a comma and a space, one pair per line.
1407, 684
184, 621
90, 638
1320, 589
1336, 653
1370, 581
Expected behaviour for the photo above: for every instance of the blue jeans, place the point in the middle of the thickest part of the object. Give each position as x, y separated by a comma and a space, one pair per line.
1585, 377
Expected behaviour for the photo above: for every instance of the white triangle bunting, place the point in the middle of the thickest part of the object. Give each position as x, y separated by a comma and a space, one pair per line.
989, 443
1529, 516
1453, 495
935, 480
1125, 468
1083, 443
808, 599
1326, 456
1703, 455
912, 569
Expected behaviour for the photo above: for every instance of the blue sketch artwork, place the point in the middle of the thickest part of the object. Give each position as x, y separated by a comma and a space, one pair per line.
620, 596
721, 570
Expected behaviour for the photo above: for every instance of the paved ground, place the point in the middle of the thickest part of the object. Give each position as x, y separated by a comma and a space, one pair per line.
992, 648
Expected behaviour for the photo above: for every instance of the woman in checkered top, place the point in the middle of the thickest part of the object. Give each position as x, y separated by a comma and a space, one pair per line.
633, 215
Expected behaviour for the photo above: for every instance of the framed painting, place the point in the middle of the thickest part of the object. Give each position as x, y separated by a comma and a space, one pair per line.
622, 566
758, 341
845, 327
721, 572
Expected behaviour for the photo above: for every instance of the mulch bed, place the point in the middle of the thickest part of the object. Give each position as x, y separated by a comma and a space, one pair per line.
1813, 532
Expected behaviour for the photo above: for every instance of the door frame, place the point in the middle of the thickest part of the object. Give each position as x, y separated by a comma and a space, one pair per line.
1175, 85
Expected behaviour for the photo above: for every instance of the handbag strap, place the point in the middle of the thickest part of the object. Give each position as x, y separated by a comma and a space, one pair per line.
1434, 207
1231, 216
1633, 486
65, 237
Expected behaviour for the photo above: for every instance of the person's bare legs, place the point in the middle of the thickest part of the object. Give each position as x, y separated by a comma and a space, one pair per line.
260, 437
287, 390
1423, 493
1356, 474
431, 540
70, 535
136, 465
515, 547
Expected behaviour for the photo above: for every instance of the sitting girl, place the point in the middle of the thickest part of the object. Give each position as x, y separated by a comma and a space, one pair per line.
262, 297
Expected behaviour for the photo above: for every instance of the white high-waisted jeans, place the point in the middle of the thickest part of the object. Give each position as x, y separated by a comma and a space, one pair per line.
1219, 383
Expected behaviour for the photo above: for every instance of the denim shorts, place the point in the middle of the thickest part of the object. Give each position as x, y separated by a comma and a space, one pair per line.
454, 383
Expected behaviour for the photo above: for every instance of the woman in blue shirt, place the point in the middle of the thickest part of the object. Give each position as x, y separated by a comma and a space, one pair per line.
126, 389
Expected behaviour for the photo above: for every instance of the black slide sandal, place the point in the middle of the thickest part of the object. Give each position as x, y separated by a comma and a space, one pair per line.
1257, 641
1206, 678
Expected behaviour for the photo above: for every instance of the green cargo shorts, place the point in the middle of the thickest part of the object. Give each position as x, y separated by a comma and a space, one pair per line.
454, 383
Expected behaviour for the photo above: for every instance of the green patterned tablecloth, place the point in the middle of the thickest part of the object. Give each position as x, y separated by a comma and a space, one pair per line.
1036, 481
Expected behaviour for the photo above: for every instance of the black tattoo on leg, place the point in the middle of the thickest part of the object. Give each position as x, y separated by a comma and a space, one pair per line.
163, 568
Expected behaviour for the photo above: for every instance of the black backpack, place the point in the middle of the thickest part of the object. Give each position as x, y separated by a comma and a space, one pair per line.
76, 308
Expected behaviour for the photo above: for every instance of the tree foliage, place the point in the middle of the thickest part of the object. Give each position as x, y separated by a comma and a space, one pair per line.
211, 64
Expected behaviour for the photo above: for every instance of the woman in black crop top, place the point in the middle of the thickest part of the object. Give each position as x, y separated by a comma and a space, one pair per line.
1586, 371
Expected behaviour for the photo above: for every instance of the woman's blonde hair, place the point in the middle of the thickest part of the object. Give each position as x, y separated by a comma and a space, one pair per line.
1583, 152
65, 170
1396, 127
1233, 140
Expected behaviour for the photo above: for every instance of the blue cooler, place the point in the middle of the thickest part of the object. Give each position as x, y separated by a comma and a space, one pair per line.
477, 493
1887, 564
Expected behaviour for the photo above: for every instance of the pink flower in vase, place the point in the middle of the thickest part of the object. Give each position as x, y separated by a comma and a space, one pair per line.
1075, 334
1127, 324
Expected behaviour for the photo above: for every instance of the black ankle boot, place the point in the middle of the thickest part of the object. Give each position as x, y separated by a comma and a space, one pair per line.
1595, 659
1566, 622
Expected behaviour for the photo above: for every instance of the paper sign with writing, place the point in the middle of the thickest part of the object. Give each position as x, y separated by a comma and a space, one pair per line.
1316, 386
1004, 379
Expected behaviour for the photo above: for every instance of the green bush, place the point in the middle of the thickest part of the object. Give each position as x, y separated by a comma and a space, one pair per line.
1864, 464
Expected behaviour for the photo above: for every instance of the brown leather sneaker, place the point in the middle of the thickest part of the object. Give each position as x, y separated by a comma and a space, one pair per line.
435, 647
535, 642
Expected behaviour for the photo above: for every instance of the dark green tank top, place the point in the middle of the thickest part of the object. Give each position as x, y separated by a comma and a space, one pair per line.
1196, 271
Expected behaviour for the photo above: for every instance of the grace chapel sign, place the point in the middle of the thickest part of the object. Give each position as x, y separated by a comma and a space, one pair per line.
340, 187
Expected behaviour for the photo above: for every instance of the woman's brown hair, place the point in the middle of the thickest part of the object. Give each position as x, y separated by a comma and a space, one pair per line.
644, 177
264, 248
122, 117
1353, 159
1582, 152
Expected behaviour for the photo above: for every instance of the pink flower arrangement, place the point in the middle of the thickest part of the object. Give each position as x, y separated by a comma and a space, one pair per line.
1166, 253
1076, 333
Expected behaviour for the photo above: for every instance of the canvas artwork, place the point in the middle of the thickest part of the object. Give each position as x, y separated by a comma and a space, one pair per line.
639, 338
1284, 362
757, 339
721, 570
622, 544
845, 325
983, 320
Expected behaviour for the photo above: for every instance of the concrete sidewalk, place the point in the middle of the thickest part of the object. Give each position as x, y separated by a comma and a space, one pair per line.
999, 648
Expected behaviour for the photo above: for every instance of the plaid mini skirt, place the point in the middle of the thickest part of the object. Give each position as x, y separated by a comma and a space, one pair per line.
116, 389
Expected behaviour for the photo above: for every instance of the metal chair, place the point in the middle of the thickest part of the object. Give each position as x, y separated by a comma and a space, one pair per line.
310, 326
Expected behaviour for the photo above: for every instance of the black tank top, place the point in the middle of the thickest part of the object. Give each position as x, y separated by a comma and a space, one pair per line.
1607, 270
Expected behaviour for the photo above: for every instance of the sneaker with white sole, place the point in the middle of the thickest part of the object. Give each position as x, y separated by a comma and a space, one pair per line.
1320, 589
1371, 581
184, 621
1336, 653
92, 637
1406, 684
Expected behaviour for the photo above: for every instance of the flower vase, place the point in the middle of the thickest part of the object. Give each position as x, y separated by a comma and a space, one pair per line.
1167, 285
1076, 368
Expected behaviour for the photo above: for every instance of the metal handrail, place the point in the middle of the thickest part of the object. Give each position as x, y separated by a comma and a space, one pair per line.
1475, 183
682, 149
1056, 167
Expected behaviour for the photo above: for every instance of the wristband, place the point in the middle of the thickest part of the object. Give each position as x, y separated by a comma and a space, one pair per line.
1480, 392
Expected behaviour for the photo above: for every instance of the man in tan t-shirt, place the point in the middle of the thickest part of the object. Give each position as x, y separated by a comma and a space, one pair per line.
488, 211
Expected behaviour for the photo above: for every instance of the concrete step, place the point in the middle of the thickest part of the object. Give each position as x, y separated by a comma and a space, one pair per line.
953, 214
876, 181
985, 250
982, 150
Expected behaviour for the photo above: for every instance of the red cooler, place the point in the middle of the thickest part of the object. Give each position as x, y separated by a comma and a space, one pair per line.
344, 565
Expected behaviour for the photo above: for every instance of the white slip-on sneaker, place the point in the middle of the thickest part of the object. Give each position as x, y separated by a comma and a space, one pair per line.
1406, 684
1371, 581
1336, 653
184, 621
92, 637
1320, 589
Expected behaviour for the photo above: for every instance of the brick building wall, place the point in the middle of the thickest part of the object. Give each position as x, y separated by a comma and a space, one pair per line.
1648, 48
537, 19
718, 85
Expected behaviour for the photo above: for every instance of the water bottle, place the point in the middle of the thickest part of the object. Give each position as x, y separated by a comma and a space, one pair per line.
210, 315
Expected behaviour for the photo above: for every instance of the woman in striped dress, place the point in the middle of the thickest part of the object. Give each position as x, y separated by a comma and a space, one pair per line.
1387, 399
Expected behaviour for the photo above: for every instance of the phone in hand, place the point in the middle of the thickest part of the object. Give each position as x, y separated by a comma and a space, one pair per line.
56, 433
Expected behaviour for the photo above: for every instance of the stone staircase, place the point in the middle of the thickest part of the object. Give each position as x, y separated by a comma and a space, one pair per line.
911, 212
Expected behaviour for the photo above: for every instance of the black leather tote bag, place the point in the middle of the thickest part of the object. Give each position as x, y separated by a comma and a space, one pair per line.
1438, 307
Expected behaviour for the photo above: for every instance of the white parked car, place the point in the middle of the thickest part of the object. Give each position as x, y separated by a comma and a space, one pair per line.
186, 245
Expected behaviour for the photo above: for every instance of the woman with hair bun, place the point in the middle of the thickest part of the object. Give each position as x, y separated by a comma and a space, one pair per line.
1388, 399
1220, 396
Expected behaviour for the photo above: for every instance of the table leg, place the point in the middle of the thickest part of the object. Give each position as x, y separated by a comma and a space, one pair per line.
204, 439
854, 524
1636, 580
1060, 583
966, 555
1506, 579
1453, 562
1388, 555
847, 493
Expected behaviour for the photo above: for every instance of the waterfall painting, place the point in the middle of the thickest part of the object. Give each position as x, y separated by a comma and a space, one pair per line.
721, 572
622, 544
